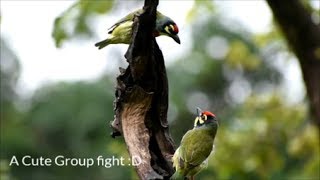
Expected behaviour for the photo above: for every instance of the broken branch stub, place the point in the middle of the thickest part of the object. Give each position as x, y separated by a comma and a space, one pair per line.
141, 102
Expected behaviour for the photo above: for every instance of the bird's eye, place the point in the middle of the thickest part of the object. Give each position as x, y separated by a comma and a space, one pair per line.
171, 27
204, 117
167, 29
198, 121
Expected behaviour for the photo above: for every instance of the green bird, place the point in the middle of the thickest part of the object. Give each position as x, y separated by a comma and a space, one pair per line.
195, 147
121, 32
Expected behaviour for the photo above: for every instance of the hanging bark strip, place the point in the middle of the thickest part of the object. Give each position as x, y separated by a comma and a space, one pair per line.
141, 102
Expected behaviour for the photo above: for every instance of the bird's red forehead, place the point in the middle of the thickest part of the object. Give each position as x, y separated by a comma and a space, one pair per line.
175, 28
208, 113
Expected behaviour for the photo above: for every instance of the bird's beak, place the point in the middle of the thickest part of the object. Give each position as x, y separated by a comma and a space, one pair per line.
175, 38
199, 111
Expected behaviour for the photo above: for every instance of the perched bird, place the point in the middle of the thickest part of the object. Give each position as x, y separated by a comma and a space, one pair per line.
195, 147
121, 32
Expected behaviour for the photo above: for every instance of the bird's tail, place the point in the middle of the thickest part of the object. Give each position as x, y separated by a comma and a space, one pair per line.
102, 44
177, 176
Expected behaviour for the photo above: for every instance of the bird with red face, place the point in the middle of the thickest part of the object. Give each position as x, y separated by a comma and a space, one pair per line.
121, 32
195, 147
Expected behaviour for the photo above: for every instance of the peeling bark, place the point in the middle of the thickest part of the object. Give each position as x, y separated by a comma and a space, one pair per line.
141, 102
303, 36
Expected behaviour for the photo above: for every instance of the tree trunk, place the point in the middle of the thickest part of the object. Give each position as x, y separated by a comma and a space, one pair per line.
303, 36
141, 102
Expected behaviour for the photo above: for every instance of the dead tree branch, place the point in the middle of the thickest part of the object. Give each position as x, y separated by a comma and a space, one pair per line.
141, 102
303, 36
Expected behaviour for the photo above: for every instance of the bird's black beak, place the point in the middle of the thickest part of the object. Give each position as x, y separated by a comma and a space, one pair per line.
199, 111
175, 38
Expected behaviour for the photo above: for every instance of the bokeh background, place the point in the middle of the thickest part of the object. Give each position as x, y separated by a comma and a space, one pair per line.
57, 89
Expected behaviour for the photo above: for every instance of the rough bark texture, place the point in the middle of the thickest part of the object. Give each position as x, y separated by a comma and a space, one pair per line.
303, 36
141, 102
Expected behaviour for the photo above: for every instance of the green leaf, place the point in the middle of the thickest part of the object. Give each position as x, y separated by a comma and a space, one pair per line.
59, 33
74, 22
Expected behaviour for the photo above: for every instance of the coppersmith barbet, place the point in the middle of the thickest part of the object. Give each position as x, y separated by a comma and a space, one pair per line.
195, 147
121, 32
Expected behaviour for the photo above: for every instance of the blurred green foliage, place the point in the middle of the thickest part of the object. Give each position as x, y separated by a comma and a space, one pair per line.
74, 21
227, 70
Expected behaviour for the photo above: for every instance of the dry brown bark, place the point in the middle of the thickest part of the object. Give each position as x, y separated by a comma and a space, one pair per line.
303, 36
141, 102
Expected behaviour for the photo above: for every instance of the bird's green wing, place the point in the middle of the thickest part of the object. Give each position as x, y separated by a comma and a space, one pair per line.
196, 146
128, 17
